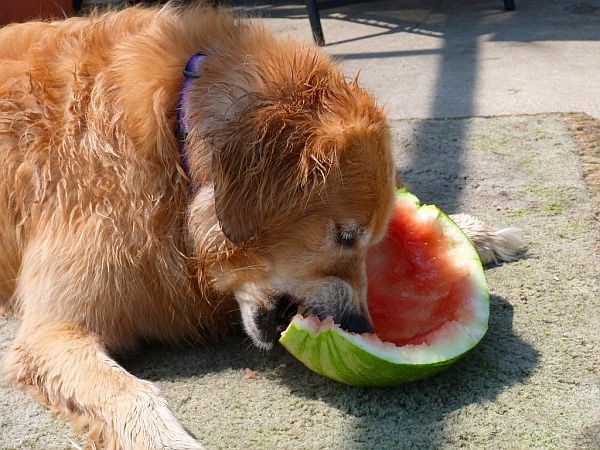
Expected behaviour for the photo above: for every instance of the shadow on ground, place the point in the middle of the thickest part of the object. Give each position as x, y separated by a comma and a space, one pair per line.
411, 413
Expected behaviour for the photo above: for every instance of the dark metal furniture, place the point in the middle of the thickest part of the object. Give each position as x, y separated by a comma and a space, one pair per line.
315, 18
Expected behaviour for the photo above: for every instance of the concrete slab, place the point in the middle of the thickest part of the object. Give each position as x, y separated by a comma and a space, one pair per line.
434, 58
533, 382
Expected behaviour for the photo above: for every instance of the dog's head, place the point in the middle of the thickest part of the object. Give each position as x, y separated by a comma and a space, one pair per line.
303, 185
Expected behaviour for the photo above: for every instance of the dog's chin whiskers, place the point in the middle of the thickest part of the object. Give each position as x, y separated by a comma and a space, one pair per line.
261, 345
249, 344
265, 347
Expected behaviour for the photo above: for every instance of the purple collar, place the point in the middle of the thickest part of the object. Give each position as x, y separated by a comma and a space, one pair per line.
192, 71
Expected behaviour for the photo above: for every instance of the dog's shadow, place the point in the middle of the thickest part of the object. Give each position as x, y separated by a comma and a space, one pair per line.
405, 416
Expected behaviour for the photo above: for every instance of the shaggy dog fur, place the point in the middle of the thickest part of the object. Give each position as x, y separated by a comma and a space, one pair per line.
105, 240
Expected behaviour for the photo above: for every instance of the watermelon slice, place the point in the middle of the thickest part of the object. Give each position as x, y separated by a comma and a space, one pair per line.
428, 301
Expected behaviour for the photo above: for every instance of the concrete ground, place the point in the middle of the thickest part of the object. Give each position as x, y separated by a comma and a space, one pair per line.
534, 381
441, 58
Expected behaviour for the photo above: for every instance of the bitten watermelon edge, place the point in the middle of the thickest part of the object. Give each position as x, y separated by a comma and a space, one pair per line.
365, 359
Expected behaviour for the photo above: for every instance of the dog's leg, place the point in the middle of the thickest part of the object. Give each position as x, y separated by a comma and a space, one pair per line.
71, 370
492, 245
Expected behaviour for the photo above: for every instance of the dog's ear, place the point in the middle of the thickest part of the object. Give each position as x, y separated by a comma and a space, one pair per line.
256, 165
274, 154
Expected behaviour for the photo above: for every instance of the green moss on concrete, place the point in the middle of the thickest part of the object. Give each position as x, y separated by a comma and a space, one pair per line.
486, 143
554, 208
520, 212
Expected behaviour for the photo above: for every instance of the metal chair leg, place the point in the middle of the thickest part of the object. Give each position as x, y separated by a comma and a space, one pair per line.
509, 5
315, 22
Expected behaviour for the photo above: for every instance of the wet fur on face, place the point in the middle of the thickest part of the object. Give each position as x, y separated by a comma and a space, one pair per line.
105, 240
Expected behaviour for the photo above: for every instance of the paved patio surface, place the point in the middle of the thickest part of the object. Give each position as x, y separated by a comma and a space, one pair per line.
534, 381
442, 58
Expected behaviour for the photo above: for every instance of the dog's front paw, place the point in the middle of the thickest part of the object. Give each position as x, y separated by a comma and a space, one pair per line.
145, 421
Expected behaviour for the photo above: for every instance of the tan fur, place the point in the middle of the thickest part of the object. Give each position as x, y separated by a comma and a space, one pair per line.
103, 240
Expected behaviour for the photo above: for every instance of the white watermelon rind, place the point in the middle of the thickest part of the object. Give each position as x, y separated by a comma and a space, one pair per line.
365, 360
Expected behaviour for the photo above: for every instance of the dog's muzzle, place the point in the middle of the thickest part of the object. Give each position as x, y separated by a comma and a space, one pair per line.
356, 323
271, 322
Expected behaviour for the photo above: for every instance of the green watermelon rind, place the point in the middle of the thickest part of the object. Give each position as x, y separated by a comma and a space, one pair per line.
367, 361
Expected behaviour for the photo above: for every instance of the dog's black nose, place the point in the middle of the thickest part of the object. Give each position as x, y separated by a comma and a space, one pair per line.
356, 323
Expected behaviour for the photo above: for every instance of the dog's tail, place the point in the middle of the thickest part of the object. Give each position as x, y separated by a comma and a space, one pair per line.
492, 245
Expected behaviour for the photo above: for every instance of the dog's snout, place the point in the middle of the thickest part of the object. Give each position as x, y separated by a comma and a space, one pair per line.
274, 320
356, 323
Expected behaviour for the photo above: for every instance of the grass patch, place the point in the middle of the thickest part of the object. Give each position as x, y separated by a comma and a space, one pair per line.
520, 212
577, 226
544, 439
545, 192
542, 135
264, 436
554, 208
526, 161
554, 198
485, 143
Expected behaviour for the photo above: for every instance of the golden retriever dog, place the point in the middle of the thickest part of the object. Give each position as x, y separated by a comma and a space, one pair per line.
112, 232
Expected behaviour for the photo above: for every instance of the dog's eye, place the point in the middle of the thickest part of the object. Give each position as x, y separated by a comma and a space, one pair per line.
345, 239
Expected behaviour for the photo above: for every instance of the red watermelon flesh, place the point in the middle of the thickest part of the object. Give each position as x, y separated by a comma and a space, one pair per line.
414, 285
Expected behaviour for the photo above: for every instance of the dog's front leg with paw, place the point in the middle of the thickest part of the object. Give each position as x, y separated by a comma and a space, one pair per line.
77, 301
71, 370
